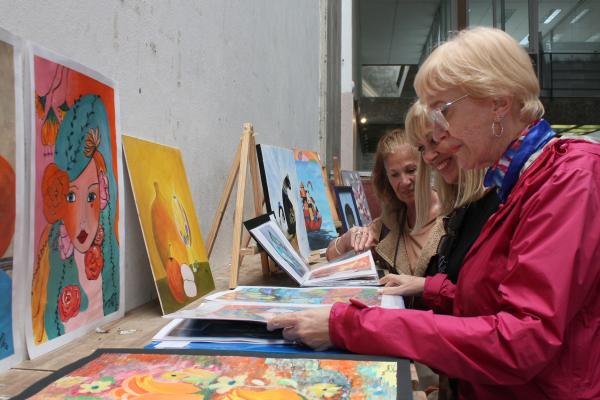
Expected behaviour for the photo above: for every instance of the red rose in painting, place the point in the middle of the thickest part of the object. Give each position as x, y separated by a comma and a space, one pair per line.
69, 302
55, 186
94, 261
7, 204
99, 236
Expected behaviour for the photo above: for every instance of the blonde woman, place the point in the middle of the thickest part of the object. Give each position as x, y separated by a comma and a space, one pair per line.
402, 248
526, 311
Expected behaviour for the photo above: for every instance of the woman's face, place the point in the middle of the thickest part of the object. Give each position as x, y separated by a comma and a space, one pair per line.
469, 135
83, 208
401, 168
438, 156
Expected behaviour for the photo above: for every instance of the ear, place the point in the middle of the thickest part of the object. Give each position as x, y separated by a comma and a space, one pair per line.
104, 193
501, 106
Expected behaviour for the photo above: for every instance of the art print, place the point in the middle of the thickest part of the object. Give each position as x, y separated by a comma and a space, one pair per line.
12, 202
178, 258
316, 211
299, 296
347, 206
282, 250
236, 312
282, 194
209, 376
355, 265
352, 179
76, 276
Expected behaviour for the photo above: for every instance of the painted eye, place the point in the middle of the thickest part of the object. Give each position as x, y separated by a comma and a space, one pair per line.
91, 197
71, 197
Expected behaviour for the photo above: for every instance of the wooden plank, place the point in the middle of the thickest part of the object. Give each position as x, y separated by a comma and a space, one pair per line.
239, 207
222, 207
14, 381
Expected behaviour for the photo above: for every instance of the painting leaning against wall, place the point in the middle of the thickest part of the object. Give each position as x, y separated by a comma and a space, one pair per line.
76, 281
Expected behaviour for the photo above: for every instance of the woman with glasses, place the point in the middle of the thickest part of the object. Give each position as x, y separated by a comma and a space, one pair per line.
401, 248
526, 311
465, 203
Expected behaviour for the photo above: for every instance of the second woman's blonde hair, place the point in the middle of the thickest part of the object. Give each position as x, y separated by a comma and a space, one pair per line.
470, 183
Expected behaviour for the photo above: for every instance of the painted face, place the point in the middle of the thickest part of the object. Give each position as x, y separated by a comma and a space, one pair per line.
401, 168
469, 134
83, 208
439, 157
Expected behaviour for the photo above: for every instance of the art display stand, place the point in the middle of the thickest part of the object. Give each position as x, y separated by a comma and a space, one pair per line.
246, 153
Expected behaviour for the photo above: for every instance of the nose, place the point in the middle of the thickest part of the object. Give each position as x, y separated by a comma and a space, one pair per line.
429, 154
439, 134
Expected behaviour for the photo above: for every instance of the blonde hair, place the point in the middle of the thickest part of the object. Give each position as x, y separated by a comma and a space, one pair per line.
484, 62
388, 144
470, 183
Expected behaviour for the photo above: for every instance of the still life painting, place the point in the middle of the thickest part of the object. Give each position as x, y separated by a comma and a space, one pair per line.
177, 254
186, 376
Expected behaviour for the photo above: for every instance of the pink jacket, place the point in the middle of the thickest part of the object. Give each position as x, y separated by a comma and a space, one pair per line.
526, 309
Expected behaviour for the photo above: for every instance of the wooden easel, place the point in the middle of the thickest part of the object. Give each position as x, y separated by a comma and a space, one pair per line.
246, 152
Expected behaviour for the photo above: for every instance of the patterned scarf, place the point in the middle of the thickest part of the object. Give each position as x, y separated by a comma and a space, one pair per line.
505, 172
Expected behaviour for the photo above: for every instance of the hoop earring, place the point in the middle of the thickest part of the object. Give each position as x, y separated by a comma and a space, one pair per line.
497, 122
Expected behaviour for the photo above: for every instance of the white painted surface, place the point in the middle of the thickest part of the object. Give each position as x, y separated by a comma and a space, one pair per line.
347, 140
190, 74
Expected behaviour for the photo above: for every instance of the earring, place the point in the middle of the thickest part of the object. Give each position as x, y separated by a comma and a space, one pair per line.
497, 121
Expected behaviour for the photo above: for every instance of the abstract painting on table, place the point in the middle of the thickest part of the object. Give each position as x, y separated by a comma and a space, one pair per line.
347, 206
76, 280
12, 202
178, 258
187, 375
218, 310
316, 210
282, 193
352, 179
298, 296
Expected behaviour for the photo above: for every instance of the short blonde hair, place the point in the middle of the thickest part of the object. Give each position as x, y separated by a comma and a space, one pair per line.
470, 183
388, 144
484, 62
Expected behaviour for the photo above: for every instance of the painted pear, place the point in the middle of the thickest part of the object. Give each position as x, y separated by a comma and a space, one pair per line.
175, 279
166, 236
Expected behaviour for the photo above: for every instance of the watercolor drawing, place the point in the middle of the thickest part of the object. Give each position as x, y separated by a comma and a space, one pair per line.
346, 267
352, 179
299, 296
187, 377
282, 194
76, 279
177, 254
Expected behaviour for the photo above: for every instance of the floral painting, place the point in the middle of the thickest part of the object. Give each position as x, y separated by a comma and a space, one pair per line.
302, 296
178, 258
76, 277
221, 377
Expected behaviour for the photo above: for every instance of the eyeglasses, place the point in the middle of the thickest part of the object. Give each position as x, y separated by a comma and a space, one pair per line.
437, 115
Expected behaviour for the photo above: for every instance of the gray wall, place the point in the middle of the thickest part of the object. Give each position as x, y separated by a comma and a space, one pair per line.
190, 74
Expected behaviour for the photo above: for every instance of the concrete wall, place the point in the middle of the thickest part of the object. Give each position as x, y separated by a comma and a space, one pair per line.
190, 73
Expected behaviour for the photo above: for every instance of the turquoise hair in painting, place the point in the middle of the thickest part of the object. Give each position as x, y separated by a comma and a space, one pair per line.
71, 155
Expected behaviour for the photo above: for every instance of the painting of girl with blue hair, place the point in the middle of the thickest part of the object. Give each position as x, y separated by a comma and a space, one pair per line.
76, 271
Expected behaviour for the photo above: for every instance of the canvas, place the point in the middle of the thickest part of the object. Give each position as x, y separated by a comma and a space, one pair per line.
347, 206
76, 202
352, 179
314, 195
202, 374
282, 194
12, 202
178, 258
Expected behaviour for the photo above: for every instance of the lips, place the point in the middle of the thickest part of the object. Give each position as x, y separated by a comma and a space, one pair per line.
82, 236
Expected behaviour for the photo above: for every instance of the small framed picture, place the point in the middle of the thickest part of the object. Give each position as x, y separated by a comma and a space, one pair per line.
347, 207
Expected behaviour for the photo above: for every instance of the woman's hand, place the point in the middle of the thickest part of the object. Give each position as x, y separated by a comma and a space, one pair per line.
310, 327
403, 285
361, 239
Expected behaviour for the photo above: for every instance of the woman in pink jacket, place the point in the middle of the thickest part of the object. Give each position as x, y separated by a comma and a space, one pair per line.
524, 316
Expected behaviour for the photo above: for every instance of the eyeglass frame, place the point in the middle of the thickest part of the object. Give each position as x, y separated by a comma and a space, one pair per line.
436, 115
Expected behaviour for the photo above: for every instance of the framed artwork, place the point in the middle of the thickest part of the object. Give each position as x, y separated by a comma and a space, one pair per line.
76, 276
347, 207
177, 255
13, 202
315, 197
205, 374
352, 179
282, 194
